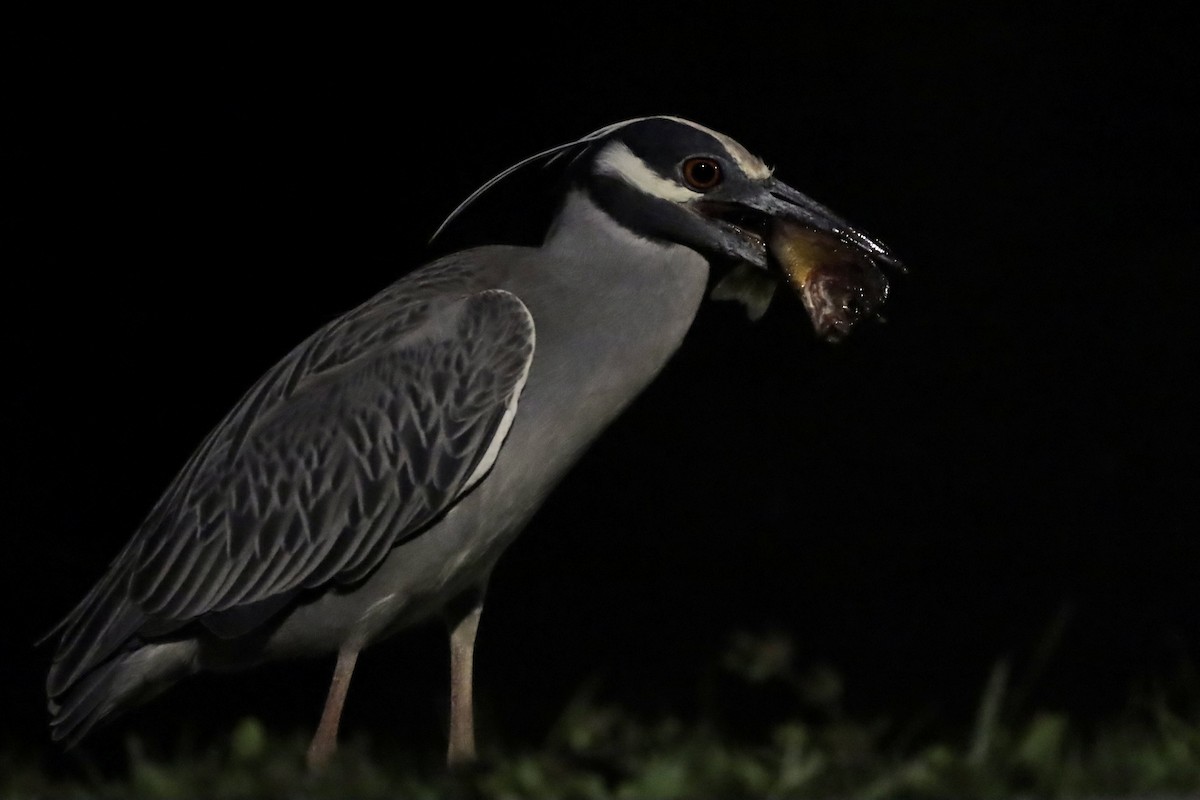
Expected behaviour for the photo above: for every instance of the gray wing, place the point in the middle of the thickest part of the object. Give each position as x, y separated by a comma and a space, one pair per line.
355, 460
362, 436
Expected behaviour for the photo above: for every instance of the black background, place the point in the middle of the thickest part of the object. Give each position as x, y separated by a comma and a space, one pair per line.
1015, 446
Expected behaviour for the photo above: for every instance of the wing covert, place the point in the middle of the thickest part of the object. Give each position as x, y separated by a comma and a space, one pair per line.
357, 458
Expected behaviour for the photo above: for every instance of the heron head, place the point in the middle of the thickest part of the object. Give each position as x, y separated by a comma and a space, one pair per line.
673, 180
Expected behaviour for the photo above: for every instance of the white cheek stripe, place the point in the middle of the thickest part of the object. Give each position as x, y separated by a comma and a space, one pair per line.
618, 160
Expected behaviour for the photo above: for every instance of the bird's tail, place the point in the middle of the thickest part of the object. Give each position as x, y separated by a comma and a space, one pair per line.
103, 624
102, 663
120, 682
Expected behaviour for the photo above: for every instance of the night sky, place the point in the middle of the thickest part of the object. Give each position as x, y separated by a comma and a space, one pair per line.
1014, 448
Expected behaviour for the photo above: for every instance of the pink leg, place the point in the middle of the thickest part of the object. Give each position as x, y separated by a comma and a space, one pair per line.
462, 723
324, 742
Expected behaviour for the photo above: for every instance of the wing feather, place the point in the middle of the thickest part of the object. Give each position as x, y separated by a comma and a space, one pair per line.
363, 435
406, 458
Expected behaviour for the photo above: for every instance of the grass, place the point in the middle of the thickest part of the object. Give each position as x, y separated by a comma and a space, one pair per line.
602, 751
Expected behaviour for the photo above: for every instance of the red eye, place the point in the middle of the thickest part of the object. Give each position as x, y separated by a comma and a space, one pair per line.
701, 174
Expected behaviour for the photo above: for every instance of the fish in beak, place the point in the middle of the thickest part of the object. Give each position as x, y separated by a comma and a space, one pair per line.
833, 267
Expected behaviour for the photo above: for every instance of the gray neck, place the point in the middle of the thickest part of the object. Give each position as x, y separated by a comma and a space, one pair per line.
601, 294
610, 309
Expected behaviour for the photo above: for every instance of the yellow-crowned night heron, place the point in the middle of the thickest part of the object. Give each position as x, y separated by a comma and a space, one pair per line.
372, 478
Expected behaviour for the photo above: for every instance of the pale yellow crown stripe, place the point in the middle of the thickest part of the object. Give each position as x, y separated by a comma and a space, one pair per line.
751, 164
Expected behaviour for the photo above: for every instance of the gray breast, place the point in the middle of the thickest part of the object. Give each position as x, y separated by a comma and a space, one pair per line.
609, 309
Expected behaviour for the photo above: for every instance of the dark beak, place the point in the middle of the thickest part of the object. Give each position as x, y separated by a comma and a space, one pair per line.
833, 266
